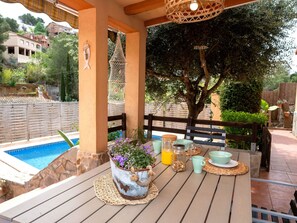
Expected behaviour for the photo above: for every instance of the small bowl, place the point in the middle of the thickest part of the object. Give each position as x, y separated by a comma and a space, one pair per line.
185, 142
220, 157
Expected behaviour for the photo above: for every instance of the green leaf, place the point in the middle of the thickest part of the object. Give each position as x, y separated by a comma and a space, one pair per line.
69, 141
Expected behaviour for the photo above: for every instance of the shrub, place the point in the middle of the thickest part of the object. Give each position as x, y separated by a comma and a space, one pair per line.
113, 135
238, 96
7, 77
243, 117
11, 77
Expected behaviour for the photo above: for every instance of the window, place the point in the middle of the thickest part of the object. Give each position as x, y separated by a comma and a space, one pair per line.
37, 46
27, 43
32, 44
32, 53
21, 51
10, 50
22, 41
27, 53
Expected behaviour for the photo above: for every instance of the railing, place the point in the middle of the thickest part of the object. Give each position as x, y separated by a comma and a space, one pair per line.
118, 126
192, 122
252, 138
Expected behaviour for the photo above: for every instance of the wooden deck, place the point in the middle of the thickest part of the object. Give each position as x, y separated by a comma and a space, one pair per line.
183, 197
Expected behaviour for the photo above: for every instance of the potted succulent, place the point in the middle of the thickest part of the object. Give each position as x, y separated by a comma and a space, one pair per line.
131, 168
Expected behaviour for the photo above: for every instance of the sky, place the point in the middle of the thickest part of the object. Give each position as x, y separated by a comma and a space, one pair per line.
15, 10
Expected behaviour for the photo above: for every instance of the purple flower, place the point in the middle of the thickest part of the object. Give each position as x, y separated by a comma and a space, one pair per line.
147, 149
120, 159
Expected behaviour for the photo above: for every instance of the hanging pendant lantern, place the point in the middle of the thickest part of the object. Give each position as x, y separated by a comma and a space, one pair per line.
188, 11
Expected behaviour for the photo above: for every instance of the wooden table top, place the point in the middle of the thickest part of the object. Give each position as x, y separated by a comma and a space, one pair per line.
183, 197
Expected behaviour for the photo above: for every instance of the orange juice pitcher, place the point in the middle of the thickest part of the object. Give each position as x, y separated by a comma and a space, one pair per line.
167, 151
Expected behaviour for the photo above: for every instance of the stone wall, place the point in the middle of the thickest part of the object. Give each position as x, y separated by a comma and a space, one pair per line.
87, 161
19, 90
71, 163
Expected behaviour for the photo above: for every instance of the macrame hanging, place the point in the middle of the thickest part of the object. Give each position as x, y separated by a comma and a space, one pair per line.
116, 82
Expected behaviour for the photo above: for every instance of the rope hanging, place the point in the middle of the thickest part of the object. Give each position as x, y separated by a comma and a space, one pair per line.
116, 82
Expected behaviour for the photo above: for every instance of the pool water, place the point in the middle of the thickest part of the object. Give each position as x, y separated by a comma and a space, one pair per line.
41, 155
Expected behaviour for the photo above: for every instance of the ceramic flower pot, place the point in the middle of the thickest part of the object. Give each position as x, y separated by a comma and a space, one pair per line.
132, 185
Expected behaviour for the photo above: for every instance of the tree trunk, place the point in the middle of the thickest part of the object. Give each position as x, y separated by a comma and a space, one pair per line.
196, 107
62, 88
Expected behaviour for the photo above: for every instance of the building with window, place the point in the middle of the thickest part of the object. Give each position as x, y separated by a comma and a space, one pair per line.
55, 29
42, 39
20, 48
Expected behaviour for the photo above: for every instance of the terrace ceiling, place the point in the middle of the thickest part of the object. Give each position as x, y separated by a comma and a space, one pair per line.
152, 12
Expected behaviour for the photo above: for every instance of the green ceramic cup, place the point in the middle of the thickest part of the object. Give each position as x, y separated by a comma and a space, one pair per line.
198, 163
157, 144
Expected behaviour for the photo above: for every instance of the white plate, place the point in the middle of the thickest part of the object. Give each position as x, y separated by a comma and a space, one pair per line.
231, 164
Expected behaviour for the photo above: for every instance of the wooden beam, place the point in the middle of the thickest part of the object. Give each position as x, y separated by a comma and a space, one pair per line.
156, 21
120, 26
143, 6
76, 5
237, 3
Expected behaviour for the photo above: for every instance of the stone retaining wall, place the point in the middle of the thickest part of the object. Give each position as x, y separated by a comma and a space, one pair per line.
71, 163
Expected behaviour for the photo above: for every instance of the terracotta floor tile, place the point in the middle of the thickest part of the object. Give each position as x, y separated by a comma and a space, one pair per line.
262, 201
293, 169
281, 192
293, 178
281, 205
283, 168
275, 175
278, 162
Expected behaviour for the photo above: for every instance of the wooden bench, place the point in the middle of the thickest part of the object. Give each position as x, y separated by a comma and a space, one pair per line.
262, 214
206, 136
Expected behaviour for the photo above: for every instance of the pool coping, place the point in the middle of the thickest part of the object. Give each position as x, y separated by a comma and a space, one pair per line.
36, 141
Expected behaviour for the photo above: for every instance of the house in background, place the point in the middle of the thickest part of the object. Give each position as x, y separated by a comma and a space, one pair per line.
20, 48
42, 39
55, 29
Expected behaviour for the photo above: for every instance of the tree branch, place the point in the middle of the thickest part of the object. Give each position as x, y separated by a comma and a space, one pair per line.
218, 83
158, 75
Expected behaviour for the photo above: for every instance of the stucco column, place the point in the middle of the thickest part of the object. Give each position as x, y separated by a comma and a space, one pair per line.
93, 82
135, 80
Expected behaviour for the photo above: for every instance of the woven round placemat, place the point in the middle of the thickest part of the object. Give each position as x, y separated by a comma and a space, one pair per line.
106, 191
240, 169
194, 152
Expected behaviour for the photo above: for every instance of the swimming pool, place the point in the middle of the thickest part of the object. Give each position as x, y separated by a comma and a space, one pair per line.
40, 156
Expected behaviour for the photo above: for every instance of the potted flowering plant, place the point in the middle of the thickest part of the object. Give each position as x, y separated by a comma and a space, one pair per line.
131, 167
